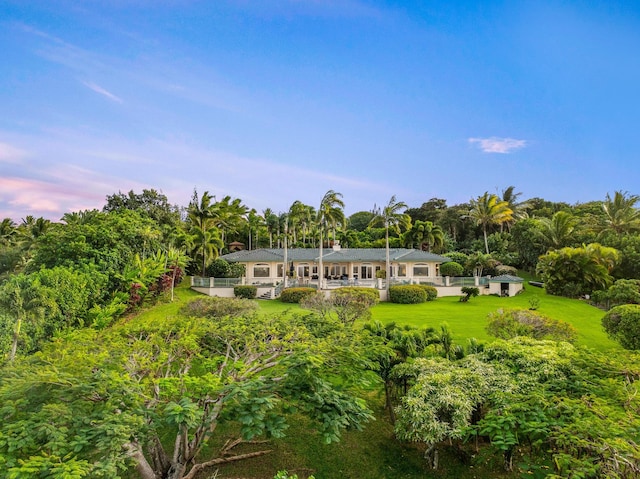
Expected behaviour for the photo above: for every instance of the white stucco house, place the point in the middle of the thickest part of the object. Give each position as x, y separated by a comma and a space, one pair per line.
266, 269
350, 265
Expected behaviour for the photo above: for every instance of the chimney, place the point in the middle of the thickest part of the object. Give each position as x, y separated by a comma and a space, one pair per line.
336, 245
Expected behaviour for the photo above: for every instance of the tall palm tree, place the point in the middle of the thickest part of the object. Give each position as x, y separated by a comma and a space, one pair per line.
330, 212
206, 236
620, 213
271, 221
487, 210
390, 217
519, 208
228, 214
254, 223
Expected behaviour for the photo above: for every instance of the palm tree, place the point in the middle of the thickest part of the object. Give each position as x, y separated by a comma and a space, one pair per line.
176, 260
206, 236
489, 210
8, 232
228, 215
519, 208
208, 243
620, 213
329, 212
424, 235
254, 222
271, 221
558, 231
390, 217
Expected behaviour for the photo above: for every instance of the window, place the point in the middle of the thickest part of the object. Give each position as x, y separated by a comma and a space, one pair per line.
303, 270
421, 270
261, 270
402, 269
280, 270
366, 271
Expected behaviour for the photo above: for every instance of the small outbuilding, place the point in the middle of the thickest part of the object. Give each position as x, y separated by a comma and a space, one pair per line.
506, 285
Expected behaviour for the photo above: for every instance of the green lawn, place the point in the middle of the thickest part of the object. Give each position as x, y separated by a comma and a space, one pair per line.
468, 320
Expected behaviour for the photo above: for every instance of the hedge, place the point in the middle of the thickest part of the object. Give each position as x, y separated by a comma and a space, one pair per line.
245, 291
407, 294
432, 292
294, 295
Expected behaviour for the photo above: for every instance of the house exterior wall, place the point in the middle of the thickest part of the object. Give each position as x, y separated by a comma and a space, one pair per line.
264, 272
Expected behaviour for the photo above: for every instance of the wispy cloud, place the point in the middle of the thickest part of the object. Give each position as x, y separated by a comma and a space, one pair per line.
498, 145
11, 154
98, 89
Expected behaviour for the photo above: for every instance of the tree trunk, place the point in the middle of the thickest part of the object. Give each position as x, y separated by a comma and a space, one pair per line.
486, 243
389, 405
142, 465
16, 336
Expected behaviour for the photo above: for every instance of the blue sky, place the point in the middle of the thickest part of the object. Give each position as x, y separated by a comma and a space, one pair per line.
274, 101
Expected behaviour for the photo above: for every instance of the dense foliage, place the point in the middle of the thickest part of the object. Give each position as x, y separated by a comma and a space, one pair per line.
94, 402
556, 410
622, 324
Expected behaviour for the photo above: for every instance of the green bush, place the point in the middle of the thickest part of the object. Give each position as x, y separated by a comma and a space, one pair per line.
451, 268
469, 292
294, 295
215, 307
355, 291
218, 268
407, 294
245, 291
432, 292
622, 324
510, 323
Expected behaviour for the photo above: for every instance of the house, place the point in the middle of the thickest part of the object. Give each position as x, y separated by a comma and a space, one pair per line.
342, 266
266, 269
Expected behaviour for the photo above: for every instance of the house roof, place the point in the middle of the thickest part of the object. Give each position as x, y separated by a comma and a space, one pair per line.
506, 278
343, 255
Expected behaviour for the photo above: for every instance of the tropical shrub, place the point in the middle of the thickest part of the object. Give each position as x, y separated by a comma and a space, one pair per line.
407, 294
347, 305
509, 323
452, 268
246, 291
460, 258
214, 307
218, 268
623, 291
432, 292
576, 271
622, 324
469, 292
294, 295
506, 269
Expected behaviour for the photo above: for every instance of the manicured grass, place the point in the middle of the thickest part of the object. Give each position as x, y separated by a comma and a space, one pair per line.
468, 320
